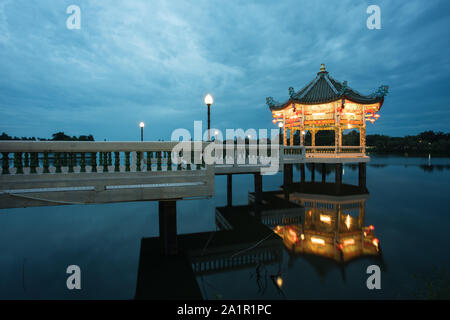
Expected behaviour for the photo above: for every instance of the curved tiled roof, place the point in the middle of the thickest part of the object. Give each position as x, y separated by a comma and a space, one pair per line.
325, 89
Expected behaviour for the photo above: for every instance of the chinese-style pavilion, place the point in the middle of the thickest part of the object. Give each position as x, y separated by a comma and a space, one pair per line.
327, 104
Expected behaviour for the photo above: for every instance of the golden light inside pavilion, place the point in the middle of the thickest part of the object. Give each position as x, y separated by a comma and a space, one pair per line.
326, 104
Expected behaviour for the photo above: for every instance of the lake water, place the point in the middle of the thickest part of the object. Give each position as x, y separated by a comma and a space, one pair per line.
407, 205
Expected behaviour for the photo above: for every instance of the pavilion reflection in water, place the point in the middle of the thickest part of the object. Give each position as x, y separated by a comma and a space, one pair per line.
322, 223
333, 225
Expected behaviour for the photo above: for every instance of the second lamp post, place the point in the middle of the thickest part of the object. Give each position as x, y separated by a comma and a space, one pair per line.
209, 101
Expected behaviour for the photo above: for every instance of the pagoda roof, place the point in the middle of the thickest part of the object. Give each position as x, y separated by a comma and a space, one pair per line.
323, 89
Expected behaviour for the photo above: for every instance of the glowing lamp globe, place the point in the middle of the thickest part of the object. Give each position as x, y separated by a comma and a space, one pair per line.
209, 99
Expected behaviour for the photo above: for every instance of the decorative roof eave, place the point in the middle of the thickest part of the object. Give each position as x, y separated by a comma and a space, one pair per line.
324, 89
377, 97
281, 106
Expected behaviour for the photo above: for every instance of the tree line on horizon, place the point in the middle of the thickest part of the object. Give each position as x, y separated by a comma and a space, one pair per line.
58, 136
427, 142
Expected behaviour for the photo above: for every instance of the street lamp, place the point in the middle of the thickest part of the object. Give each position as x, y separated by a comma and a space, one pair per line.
280, 125
209, 101
142, 125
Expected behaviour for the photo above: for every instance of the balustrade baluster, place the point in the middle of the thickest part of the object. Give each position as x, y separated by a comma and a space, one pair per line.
149, 160
64, 159
46, 163
18, 162
109, 158
57, 162
180, 157
158, 155
188, 166
127, 161
71, 161
5, 163
116, 161
105, 162
94, 161
138, 161
34, 162
169, 160
83, 162
26, 162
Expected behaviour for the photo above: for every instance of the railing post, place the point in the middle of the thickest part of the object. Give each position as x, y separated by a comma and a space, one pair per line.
116, 161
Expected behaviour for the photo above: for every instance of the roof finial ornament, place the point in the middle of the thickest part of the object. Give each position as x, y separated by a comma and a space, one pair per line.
322, 68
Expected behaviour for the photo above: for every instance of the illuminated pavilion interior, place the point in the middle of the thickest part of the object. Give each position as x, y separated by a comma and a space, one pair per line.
326, 104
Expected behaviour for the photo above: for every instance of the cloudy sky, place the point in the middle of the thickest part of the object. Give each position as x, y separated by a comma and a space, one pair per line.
153, 61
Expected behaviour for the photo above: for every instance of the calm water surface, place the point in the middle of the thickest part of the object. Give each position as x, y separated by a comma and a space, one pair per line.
407, 205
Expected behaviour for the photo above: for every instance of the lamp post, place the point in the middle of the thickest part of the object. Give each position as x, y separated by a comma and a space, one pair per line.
280, 125
209, 101
142, 125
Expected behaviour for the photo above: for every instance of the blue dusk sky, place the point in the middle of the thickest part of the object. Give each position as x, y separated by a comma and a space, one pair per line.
154, 61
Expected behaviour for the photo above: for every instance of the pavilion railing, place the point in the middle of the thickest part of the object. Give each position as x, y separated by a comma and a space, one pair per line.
333, 149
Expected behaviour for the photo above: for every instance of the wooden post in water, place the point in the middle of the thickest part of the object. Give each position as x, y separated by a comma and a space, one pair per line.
324, 173
362, 175
168, 227
302, 172
287, 174
338, 174
229, 190
313, 172
258, 193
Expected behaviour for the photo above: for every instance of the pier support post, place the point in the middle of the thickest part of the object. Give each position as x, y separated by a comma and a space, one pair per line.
258, 193
324, 173
287, 174
338, 174
313, 172
229, 190
168, 227
302, 172
362, 175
